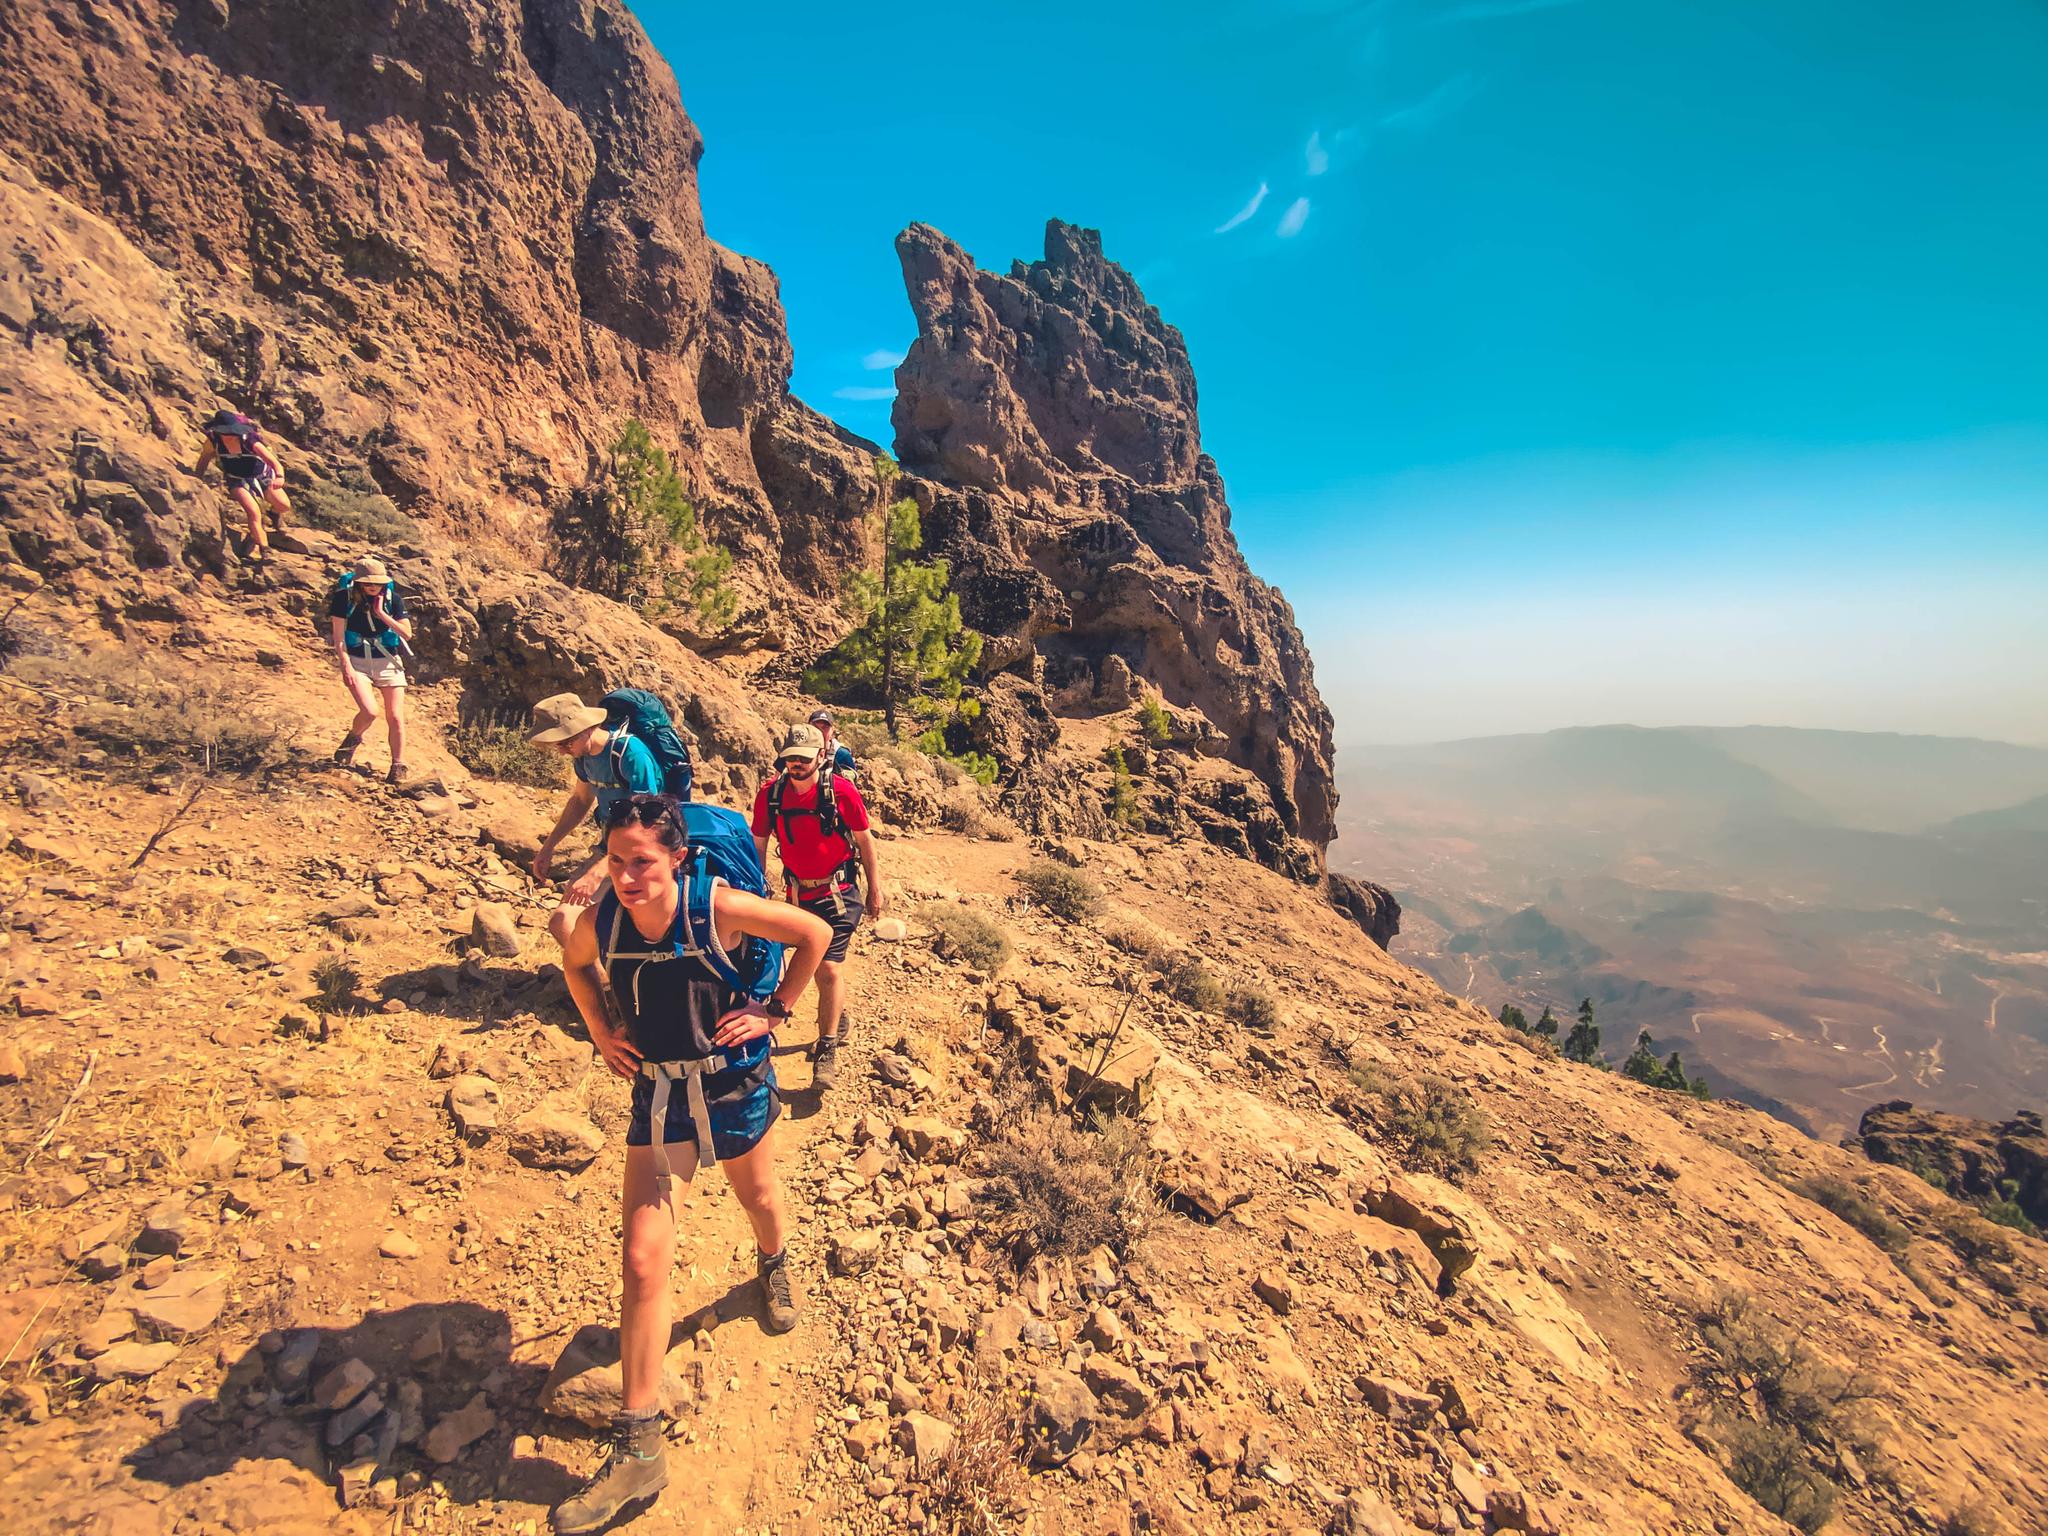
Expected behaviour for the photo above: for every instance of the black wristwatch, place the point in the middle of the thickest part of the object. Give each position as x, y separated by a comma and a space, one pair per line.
776, 1007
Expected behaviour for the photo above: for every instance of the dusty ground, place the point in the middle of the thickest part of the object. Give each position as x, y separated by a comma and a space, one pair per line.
1298, 1362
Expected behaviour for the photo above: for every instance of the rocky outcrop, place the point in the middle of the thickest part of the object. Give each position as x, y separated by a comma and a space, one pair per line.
1049, 417
1371, 906
1974, 1159
455, 244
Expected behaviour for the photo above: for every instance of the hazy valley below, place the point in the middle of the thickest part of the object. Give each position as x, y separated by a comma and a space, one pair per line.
1818, 920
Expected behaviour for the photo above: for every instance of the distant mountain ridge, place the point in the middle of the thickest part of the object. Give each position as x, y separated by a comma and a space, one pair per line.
1870, 781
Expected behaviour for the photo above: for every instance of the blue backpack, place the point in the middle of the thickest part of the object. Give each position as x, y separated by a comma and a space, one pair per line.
638, 713
721, 849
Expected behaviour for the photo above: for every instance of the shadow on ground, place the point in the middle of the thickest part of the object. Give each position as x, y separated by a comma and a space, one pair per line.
322, 1398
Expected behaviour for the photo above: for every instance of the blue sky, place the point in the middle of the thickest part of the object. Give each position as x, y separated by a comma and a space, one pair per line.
1566, 360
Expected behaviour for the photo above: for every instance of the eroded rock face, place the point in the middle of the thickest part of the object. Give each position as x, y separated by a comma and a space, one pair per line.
455, 244
1371, 906
1975, 1159
1049, 415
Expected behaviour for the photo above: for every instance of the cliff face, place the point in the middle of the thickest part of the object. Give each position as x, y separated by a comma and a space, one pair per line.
1050, 415
442, 251
454, 243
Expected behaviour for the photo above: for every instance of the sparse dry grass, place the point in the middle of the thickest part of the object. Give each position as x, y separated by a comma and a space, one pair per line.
980, 1485
498, 749
1065, 893
1191, 983
1785, 1414
1057, 1189
1433, 1121
963, 932
148, 709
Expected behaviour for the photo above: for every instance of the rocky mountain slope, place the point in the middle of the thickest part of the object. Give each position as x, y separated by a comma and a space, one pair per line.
277, 1264
1194, 1211
451, 245
1052, 412
442, 251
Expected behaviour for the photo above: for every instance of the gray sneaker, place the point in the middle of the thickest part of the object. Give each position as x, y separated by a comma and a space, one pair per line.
825, 1063
634, 1473
776, 1296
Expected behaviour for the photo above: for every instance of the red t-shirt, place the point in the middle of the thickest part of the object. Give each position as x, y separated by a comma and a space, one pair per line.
807, 854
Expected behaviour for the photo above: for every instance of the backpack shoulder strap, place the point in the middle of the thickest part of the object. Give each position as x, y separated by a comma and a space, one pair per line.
701, 930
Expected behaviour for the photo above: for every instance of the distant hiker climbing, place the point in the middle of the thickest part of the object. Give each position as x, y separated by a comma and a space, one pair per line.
678, 973
624, 745
254, 477
836, 752
820, 827
371, 634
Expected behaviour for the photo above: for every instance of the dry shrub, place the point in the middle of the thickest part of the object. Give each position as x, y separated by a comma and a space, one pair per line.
1782, 1409
498, 749
963, 932
1987, 1248
968, 816
1064, 892
141, 703
1057, 1189
1135, 939
1769, 1463
1432, 1120
351, 506
979, 1486
1190, 982
1858, 1211
1254, 1008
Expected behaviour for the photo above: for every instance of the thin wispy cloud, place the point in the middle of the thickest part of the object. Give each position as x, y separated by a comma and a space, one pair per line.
1436, 106
1318, 157
881, 357
865, 392
1487, 10
1245, 212
1292, 220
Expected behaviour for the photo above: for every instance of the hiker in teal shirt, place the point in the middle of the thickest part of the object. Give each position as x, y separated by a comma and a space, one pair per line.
610, 767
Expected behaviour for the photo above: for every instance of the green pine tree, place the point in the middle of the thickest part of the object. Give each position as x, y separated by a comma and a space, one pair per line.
1514, 1018
911, 649
1642, 1062
633, 536
1123, 790
1546, 1026
1583, 1043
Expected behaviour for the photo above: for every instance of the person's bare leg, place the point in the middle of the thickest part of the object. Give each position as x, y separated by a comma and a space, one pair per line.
394, 716
366, 712
636, 1471
280, 503
650, 1252
753, 1180
828, 999
253, 513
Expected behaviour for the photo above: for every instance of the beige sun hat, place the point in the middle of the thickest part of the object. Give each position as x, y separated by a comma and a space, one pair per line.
800, 741
560, 716
370, 571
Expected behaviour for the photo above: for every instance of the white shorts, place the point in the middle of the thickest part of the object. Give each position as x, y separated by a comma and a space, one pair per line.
380, 671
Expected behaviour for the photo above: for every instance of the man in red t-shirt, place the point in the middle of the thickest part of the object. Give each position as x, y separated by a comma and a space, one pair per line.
819, 835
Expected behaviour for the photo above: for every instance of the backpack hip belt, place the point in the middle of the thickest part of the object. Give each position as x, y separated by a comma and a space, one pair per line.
664, 1075
837, 883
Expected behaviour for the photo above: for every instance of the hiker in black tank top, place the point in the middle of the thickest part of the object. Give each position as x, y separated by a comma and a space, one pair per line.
703, 1079
254, 477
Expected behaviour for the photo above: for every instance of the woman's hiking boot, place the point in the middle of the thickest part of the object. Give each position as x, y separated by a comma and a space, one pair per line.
825, 1062
634, 1472
777, 1298
345, 754
397, 774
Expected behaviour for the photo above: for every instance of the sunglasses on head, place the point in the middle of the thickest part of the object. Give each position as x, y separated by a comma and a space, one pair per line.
639, 810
